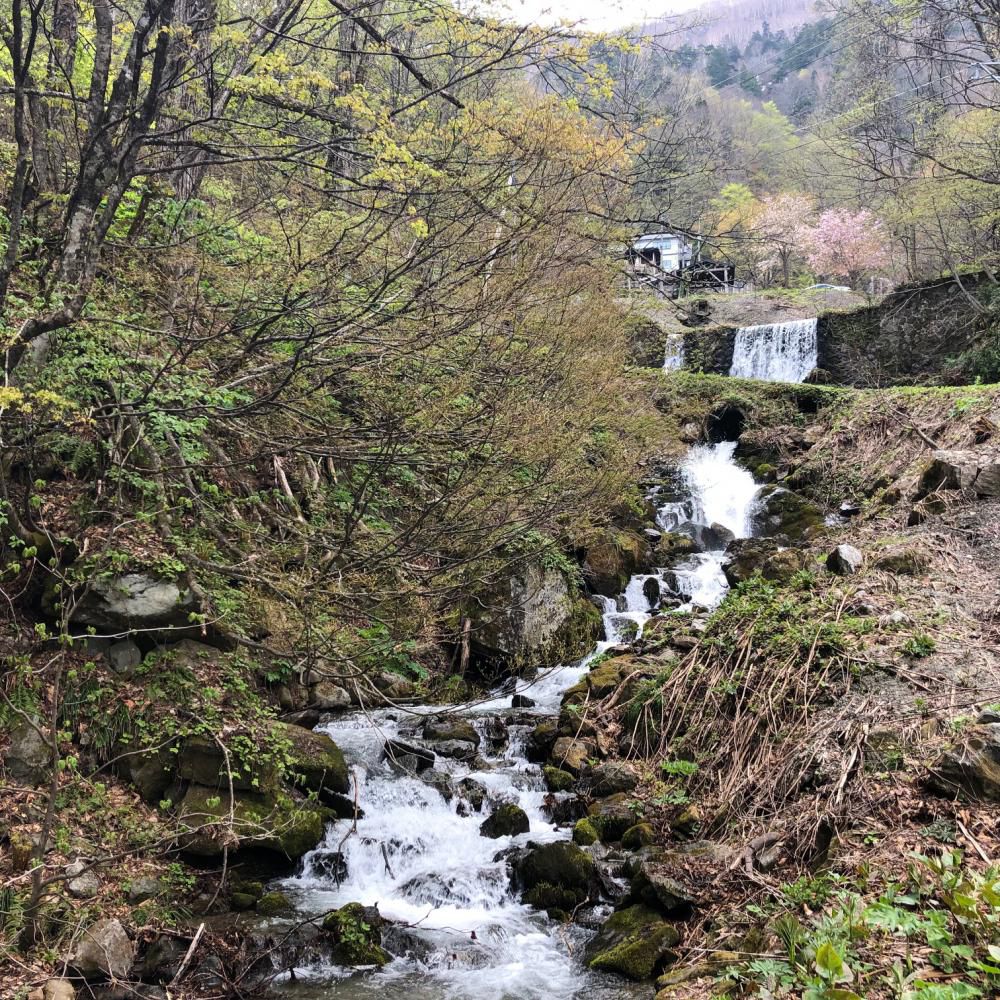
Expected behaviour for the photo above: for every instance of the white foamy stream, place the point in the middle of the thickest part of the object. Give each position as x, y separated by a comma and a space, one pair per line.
427, 866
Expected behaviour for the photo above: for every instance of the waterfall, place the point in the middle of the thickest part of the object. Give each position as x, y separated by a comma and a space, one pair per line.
418, 852
673, 355
776, 352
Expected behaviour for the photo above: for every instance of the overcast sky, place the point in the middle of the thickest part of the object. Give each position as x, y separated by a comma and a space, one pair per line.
598, 15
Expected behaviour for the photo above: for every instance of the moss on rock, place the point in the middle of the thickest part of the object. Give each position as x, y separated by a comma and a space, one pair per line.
273, 903
585, 832
357, 934
313, 758
640, 835
557, 780
508, 820
634, 942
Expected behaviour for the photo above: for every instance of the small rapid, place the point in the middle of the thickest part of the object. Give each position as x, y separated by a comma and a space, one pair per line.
460, 933
776, 352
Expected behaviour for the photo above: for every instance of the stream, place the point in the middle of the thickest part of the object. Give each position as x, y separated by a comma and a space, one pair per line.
419, 854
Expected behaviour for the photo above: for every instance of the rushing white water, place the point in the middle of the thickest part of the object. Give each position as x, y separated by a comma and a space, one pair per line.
776, 352
420, 856
673, 355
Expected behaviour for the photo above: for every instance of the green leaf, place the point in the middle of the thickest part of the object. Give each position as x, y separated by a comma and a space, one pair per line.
829, 964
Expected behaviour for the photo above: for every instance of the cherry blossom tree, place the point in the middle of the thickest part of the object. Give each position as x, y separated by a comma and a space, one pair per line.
846, 244
781, 222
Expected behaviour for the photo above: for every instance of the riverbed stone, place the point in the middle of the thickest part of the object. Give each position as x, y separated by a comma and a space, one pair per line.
612, 816
329, 697
539, 743
639, 835
611, 777
356, 931
313, 758
585, 833
557, 780
451, 727
555, 876
273, 903
571, 755
104, 950
635, 942
507, 820
407, 757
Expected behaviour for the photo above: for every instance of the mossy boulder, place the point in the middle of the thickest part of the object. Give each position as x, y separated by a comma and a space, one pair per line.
782, 512
242, 901
557, 780
571, 755
585, 832
640, 835
746, 557
508, 820
272, 904
614, 557
357, 935
538, 745
313, 758
451, 727
612, 816
207, 761
635, 942
602, 680
555, 876
275, 822
672, 546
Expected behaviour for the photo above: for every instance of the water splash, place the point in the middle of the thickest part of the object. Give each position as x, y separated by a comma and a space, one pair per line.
776, 352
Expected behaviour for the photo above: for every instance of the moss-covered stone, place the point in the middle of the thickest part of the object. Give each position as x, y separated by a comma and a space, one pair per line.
904, 560
782, 512
242, 901
612, 816
557, 780
451, 728
672, 546
640, 835
357, 935
585, 832
313, 758
538, 746
508, 820
612, 558
271, 904
570, 754
275, 822
560, 866
634, 942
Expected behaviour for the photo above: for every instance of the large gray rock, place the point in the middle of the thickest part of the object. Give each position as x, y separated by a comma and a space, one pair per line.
845, 560
28, 757
135, 600
82, 884
531, 619
329, 697
963, 470
124, 657
103, 951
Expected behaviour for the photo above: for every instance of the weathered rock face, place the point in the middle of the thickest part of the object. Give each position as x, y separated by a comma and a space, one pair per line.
569, 754
747, 556
635, 942
611, 777
845, 560
533, 620
274, 823
613, 559
103, 951
82, 884
28, 757
782, 512
204, 761
962, 470
913, 333
971, 768
314, 760
329, 697
135, 600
